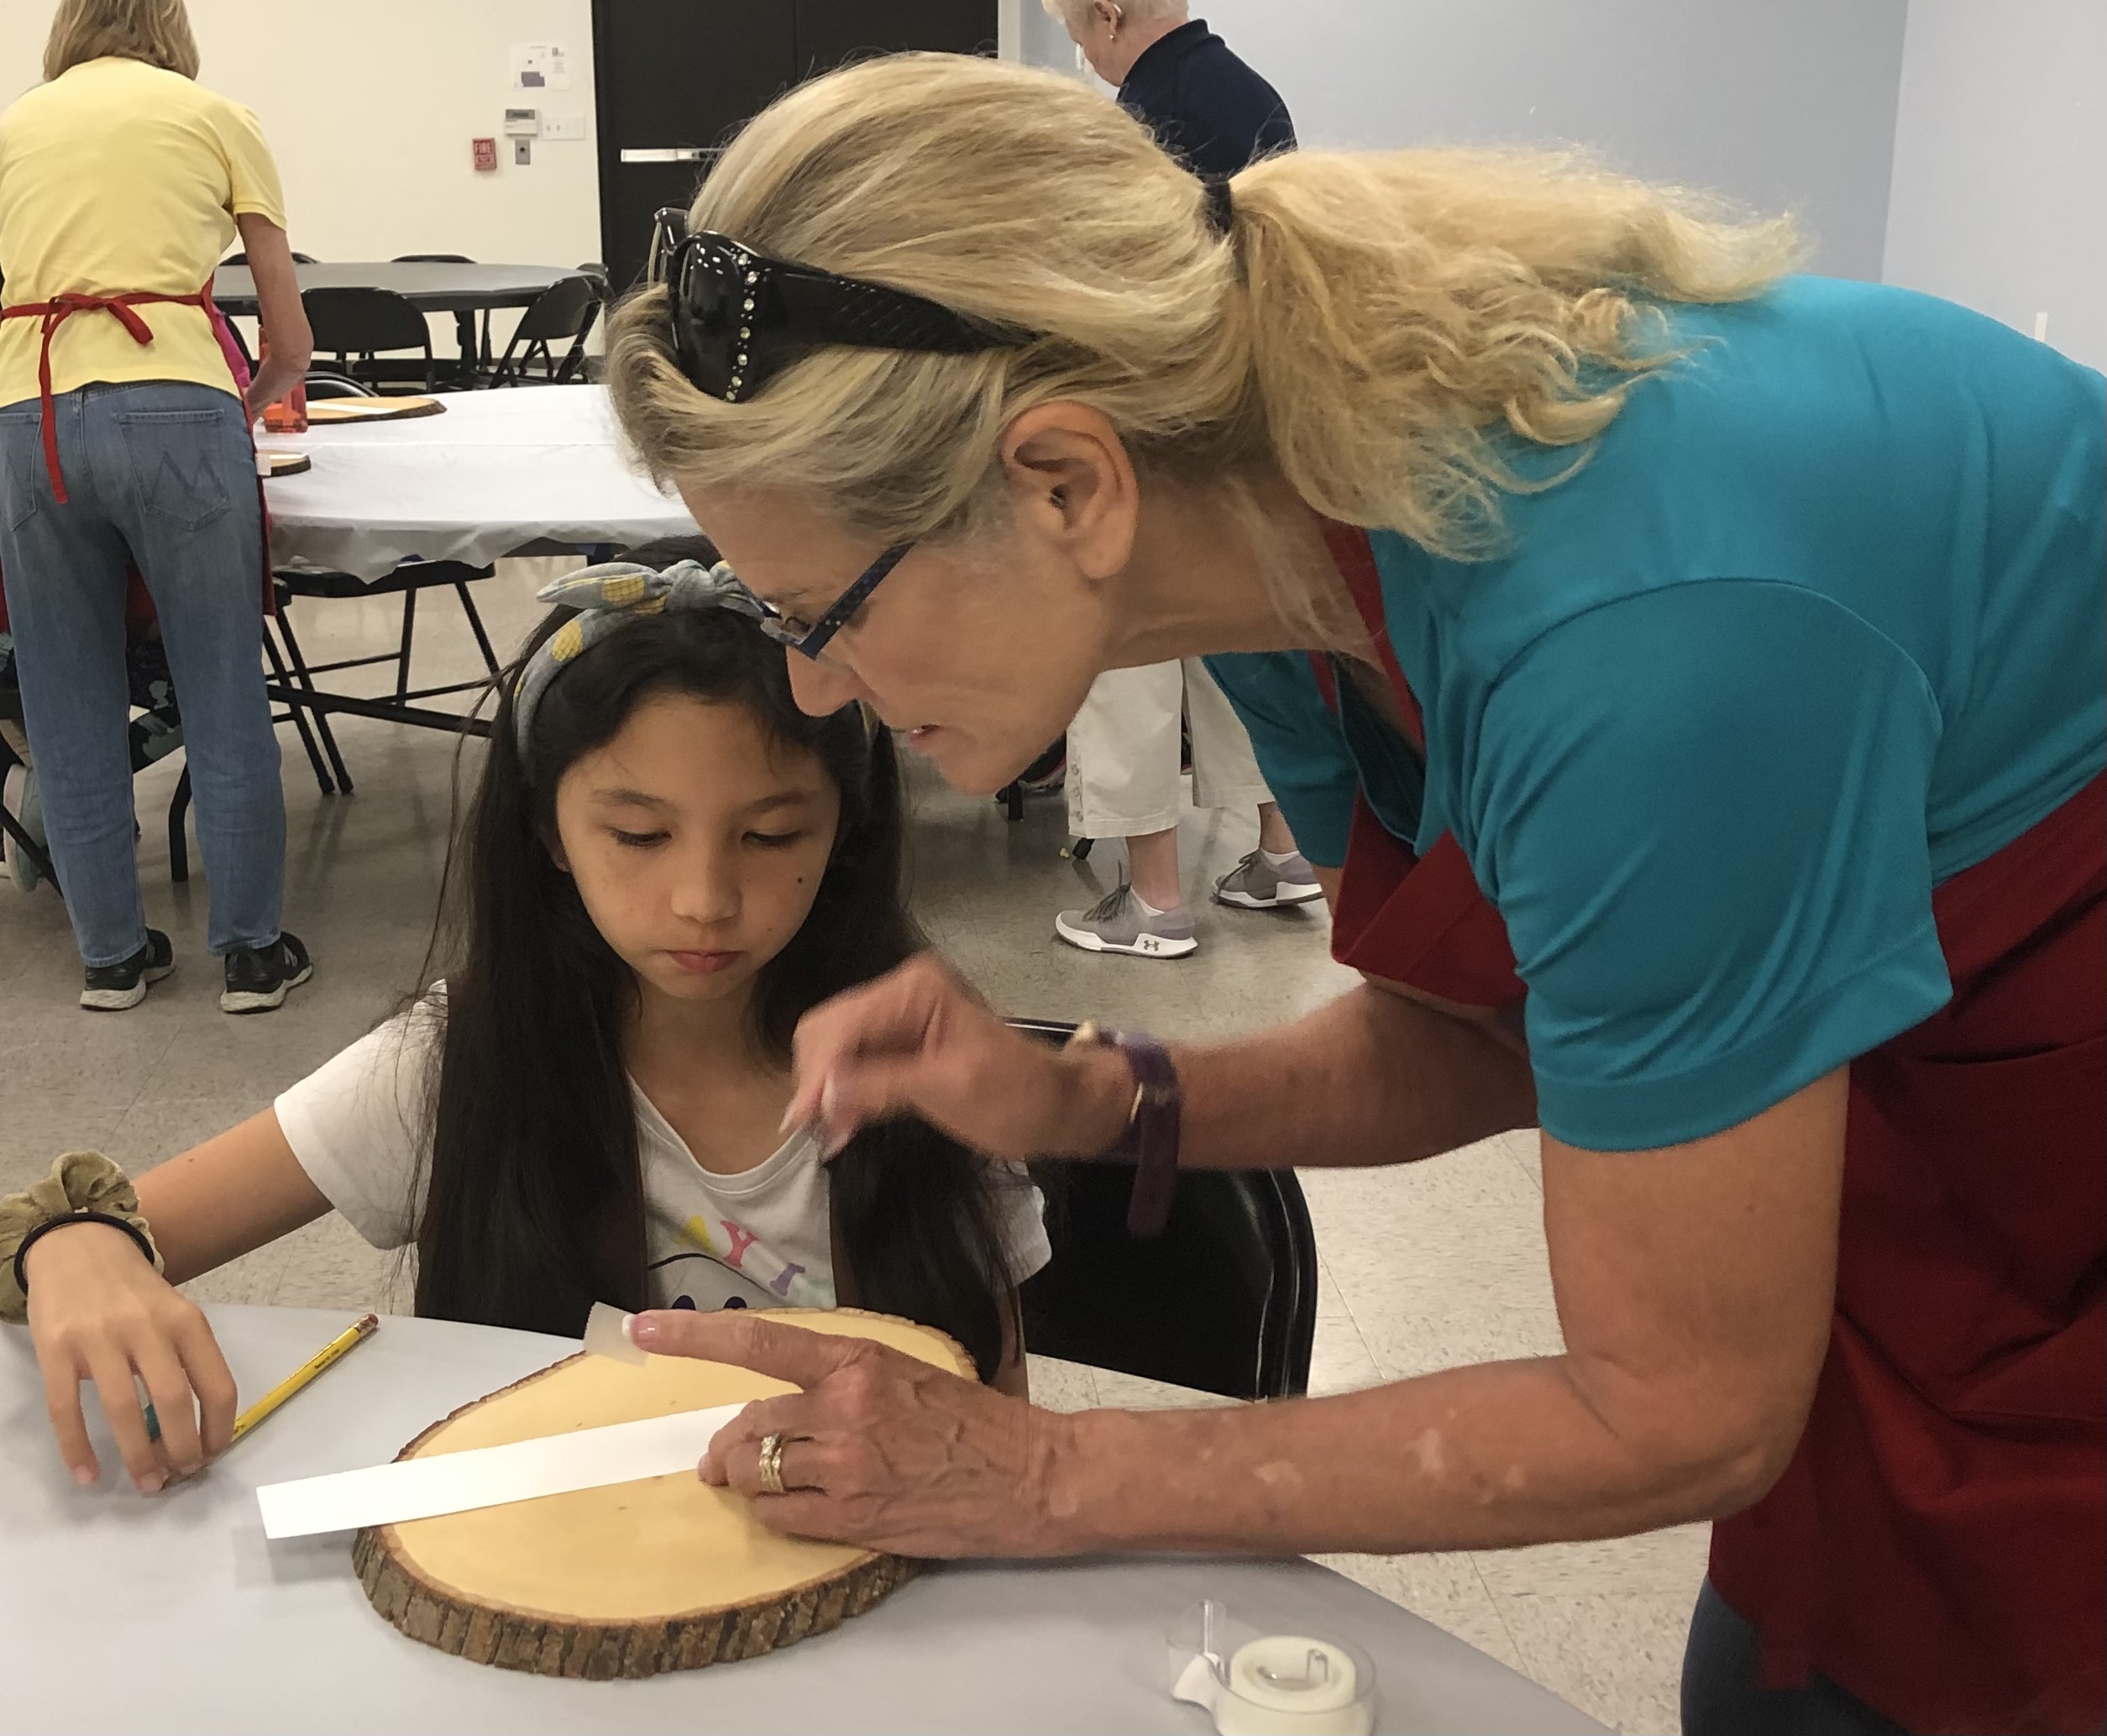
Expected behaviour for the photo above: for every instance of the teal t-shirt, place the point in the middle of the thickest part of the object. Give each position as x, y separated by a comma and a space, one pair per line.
1821, 621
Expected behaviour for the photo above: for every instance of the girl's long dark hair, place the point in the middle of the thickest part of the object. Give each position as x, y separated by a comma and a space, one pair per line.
533, 1205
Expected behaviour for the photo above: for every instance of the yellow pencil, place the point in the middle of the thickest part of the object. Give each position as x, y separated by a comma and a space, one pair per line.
349, 1340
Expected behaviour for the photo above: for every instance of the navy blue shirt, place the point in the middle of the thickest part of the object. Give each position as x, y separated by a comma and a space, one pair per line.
1204, 105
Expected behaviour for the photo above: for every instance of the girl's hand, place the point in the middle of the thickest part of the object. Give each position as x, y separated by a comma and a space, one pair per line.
918, 1041
99, 1311
880, 1449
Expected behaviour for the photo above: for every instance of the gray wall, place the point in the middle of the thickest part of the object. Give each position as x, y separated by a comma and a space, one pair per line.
1784, 104
2000, 164
1044, 42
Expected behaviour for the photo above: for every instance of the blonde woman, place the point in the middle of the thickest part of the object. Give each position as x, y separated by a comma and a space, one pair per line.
124, 438
1690, 674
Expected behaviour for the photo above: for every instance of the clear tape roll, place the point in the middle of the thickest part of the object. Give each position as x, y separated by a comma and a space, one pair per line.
1255, 1683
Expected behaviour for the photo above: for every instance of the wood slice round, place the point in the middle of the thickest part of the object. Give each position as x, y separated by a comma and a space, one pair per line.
626, 1580
332, 410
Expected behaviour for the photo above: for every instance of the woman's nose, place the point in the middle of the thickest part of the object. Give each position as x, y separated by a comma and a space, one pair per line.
820, 687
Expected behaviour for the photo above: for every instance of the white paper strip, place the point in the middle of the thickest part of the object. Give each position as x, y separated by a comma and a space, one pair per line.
491, 1476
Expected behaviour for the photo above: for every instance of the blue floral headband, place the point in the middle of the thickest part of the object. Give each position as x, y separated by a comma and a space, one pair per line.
608, 597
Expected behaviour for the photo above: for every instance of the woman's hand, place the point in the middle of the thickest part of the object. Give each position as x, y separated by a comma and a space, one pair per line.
879, 1449
918, 1041
99, 1311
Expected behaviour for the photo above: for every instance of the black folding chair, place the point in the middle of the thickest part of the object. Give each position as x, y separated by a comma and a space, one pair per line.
359, 326
1223, 1301
242, 259
323, 383
563, 313
309, 705
474, 337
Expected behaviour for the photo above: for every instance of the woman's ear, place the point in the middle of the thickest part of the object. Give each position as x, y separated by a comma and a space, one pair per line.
1073, 485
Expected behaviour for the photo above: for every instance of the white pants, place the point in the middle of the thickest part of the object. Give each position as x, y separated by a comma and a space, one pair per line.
1123, 752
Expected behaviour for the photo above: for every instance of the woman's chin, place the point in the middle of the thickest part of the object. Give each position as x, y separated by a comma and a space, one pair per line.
965, 761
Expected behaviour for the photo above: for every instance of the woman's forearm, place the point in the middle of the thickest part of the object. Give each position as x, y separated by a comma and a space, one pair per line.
1373, 1077
1486, 1457
281, 311
1694, 1287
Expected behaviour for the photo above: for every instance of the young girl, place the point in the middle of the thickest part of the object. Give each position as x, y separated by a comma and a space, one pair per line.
666, 864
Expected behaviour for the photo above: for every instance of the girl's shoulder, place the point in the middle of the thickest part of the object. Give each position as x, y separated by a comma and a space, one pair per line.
360, 1125
387, 1068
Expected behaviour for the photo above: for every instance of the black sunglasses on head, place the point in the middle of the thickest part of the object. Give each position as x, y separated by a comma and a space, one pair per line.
740, 317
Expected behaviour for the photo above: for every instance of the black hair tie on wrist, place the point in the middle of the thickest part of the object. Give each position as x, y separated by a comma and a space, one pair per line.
29, 1241
1221, 207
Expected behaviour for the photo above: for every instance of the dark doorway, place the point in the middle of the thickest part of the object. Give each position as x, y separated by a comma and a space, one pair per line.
831, 33
675, 79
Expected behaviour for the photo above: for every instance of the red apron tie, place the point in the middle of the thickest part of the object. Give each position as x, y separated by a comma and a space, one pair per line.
54, 313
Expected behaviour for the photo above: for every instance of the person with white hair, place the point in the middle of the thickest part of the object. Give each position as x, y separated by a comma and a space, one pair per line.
1181, 80
1209, 109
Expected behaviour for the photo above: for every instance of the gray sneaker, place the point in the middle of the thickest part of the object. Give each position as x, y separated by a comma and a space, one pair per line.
1117, 923
1256, 884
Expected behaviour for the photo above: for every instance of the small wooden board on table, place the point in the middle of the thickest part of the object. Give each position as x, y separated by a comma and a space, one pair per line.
330, 412
631, 1578
276, 464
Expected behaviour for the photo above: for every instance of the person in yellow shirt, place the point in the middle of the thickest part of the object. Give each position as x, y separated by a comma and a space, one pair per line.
124, 438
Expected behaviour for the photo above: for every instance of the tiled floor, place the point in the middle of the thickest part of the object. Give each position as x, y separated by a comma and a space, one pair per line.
1423, 1267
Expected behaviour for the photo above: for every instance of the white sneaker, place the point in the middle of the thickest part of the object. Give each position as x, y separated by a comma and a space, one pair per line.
1117, 923
1256, 884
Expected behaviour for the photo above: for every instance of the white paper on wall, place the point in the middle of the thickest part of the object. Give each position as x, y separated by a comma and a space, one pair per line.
541, 66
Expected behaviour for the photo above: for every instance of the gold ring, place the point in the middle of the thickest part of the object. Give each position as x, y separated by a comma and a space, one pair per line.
772, 1464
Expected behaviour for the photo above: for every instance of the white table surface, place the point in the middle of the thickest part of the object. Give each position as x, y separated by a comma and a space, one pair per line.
499, 471
123, 1614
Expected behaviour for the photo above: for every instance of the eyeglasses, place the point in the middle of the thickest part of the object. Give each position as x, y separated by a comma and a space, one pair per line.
810, 639
739, 318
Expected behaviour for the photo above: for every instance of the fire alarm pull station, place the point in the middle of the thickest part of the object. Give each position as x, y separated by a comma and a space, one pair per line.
485, 155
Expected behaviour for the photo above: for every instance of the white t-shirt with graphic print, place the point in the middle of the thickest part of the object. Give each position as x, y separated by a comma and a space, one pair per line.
360, 1126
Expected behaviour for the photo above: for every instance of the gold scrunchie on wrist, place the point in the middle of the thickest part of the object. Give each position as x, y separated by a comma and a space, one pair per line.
79, 1182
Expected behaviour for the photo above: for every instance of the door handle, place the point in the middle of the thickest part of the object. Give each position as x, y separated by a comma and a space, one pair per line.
670, 154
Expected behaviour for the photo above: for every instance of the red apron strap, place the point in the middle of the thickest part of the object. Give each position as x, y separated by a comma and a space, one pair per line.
1356, 562
230, 350
54, 313
1421, 922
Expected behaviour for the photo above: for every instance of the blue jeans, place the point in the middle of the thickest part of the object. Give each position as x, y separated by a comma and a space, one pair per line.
161, 474
1722, 1671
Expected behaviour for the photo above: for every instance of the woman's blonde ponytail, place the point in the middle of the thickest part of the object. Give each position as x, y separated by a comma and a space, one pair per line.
1412, 307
